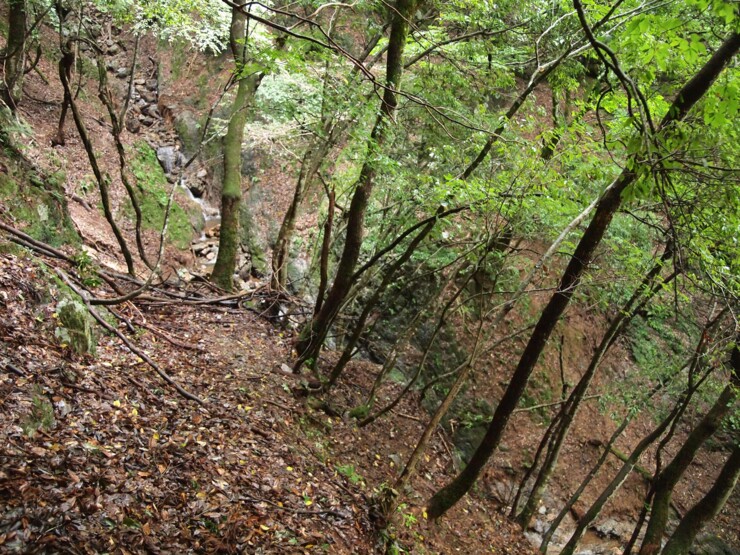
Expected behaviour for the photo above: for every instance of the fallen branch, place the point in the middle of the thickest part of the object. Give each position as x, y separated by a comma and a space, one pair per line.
131, 347
554, 403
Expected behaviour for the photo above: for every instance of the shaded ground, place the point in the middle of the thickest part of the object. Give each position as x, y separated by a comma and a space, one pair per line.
120, 463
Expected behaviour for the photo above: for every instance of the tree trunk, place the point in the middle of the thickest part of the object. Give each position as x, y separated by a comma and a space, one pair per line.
313, 335
605, 210
373, 300
666, 481
706, 509
645, 291
231, 192
11, 87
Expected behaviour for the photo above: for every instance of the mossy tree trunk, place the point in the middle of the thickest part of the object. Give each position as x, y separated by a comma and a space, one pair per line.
313, 335
609, 203
231, 192
666, 481
706, 509
14, 57
554, 441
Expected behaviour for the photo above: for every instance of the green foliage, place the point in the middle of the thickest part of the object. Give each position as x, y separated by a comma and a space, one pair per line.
349, 472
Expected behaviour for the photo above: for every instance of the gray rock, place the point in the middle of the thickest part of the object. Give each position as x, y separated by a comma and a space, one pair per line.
152, 84
712, 545
167, 156
146, 120
151, 111
122, 72
149, 96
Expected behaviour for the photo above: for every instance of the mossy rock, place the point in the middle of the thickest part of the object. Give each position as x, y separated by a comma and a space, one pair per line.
37, 204
153, 196
76, 329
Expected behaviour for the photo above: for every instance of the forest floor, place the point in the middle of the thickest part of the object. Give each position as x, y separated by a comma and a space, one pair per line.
99, 455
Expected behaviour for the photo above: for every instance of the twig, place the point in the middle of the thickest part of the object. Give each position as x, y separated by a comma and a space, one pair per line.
15, 370
560, 402
146, 358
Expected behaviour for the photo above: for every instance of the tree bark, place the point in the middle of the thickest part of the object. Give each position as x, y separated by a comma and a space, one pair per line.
231, 192
11, 87
706, 509
313, 335
446, 497
642, 295
666, 481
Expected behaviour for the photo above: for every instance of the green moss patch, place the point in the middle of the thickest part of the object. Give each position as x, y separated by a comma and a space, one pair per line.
37, 204
153, 194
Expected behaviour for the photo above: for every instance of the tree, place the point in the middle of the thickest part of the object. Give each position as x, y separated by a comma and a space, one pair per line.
707, 508
247, 81
14, 57
314, 333
665, 482
611, 200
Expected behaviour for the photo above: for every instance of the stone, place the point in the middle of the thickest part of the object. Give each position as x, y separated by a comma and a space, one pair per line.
76, 328
202, 173
149, 97
139, 82
151, 111
133, 125
709, 544
146, 120
152, 84
286, 369
167, 156
122, 72
188, 131
113, 50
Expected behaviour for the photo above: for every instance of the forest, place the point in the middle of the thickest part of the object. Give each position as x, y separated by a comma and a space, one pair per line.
370, 276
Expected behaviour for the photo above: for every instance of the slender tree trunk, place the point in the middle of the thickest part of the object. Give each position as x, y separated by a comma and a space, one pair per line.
666, 481
231, 192
92, 158
373, 300
646, 290
313, 335
11, 87
706, 509
594, 510
607, 207
117, 120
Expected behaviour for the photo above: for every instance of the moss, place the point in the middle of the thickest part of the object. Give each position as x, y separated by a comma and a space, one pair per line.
76, 328
154, 192
38, 202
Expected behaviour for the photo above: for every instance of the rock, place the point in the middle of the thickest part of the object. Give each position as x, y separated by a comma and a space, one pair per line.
712, 545
113, 50
615, 529
197, 188
298, 268
132, 125
76, 328
152, 84
199, 248
146, 120
139, 82
149, 97
151, 111
188, 131
211, 255
167, 156
286, 369
202, 173
122, 72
